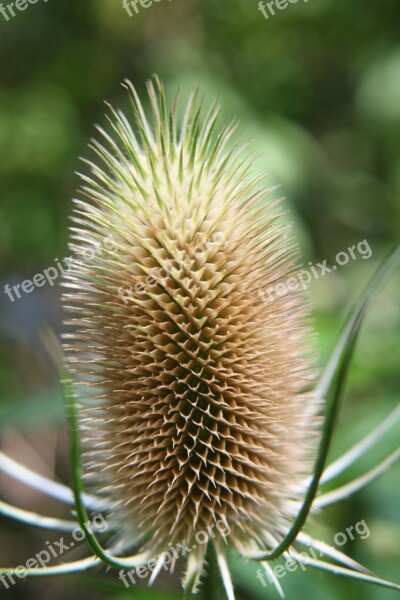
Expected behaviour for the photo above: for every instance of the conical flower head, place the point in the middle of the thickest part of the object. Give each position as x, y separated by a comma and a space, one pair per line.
199, 411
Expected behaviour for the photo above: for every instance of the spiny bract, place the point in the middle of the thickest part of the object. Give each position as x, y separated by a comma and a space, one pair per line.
199, 409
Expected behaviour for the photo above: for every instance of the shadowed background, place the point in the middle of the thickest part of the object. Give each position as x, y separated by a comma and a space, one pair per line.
317, 88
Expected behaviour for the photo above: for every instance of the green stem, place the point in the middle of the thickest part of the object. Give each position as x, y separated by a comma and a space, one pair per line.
212, 588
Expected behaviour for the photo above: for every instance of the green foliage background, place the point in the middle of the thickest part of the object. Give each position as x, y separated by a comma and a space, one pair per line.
317, 87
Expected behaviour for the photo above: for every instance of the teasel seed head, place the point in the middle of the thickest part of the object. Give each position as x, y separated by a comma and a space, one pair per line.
196, 406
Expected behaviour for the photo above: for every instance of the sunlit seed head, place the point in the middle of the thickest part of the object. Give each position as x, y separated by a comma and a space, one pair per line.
197, 407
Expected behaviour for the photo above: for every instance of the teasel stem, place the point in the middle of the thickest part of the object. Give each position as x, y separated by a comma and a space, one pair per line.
212, 588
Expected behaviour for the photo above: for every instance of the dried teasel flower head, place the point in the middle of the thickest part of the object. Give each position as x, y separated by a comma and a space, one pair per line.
200, 411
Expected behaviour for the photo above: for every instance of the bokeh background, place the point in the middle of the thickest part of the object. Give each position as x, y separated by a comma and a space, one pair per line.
317, 88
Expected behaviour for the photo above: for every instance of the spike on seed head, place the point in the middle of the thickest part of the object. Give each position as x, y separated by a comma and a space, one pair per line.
199, 410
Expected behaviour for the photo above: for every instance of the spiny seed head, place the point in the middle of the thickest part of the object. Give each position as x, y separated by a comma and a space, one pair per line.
197, 409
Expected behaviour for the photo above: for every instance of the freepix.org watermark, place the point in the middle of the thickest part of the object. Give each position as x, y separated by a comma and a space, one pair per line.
158, 276
54, 550
134, 5
303, 278
9, 11
50, 275
268, 8
292, 564
166, 559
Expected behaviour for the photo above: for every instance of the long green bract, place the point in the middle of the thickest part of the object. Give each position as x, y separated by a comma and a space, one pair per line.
331, 387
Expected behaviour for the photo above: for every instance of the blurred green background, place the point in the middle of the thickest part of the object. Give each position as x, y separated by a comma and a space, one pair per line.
317, 88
